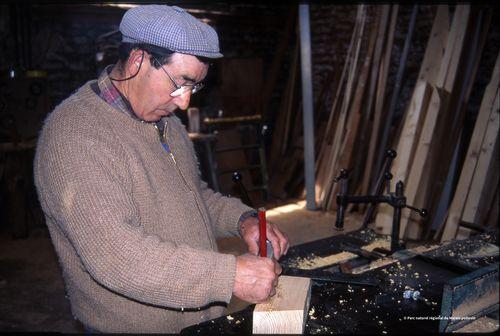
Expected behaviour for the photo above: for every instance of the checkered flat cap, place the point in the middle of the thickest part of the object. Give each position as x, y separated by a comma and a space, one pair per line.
170, 27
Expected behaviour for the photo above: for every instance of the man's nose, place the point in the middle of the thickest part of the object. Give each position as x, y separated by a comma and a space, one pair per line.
182, 101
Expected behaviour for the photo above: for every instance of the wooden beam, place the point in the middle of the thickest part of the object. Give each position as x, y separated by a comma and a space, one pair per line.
485, 160
418, 179
366, 129
333, 150
387, 127
415, 113
450, 126
405, 149
285, 312
346, 153
490, 98
434, 51
379, 102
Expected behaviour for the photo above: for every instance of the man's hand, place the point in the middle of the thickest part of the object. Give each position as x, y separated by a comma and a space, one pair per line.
249, 229
256, 278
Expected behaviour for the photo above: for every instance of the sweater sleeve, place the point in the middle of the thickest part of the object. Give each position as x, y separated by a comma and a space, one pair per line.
224, 211
84, 187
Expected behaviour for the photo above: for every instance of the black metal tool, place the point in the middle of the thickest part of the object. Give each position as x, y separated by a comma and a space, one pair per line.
377, 189
396, 199
361, 280
237, 178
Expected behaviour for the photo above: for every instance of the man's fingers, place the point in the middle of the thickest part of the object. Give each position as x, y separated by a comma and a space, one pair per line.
277, 269
274, 239
253, 247
283, 240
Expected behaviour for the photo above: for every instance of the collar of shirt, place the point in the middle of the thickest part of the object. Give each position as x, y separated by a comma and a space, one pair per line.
110, 94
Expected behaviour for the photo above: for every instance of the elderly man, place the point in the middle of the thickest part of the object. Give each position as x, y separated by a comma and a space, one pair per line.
132, 223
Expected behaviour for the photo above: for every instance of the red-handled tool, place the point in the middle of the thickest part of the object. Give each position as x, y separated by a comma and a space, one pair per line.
262, 233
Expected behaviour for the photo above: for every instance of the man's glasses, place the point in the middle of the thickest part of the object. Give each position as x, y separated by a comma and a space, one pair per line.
180, 89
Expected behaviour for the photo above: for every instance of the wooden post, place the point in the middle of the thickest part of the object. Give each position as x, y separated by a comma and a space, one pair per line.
285, 312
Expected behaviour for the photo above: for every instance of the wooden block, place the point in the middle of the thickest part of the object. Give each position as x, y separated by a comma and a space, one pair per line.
285, 312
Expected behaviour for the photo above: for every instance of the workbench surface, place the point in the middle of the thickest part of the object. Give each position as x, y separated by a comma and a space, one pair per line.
340, 308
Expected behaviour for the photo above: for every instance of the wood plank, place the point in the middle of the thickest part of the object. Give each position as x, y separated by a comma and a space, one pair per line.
488, 103
356, 107
326, 195
414, 114
346, 152
366, 129
436, 104
435, 46
450, 126
490, 191
387, 126
379, 102
419, 179
315, 262
479, 181
405, 149
285, 312
396, 257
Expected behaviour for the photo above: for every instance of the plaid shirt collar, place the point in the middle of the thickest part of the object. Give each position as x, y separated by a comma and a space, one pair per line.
111, 95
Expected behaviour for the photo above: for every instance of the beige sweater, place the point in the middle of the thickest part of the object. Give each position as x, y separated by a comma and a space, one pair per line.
134, 228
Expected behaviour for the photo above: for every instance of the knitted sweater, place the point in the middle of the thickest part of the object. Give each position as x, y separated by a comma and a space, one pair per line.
134, 227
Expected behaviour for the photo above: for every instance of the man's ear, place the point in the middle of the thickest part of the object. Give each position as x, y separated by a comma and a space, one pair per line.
135, 60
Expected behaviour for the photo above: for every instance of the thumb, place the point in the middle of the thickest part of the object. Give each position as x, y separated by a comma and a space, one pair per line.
253, 247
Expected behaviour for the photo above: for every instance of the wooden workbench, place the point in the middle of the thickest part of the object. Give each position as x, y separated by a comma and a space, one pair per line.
343, 308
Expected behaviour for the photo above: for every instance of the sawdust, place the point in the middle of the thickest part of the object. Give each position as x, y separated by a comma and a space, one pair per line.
378, 243
317, 262
487, 250
314, 262
403, 255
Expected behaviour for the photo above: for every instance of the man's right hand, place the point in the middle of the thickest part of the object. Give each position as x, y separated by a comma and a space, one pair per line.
256, 278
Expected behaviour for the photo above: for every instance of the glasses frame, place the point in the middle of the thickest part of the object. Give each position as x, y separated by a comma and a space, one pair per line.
180, 89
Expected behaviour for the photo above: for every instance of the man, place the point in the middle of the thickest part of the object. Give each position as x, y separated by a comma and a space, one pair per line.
133, 225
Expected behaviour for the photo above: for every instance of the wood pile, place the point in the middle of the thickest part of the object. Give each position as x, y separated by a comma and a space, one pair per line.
430, 138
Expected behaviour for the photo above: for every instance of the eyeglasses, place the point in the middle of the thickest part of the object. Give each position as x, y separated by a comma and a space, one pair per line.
180, 89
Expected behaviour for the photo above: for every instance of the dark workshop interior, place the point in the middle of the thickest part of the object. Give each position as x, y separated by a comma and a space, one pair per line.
402, 190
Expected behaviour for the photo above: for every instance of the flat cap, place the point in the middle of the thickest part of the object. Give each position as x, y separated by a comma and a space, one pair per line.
170, 27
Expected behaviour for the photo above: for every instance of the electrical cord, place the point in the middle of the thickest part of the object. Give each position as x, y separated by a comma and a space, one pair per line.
130, 77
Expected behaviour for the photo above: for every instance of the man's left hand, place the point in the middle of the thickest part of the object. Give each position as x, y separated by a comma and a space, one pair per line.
249, 230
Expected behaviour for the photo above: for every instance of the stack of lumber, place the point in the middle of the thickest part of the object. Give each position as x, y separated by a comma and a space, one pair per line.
431, 137
357, 113
476, 196
428, 144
